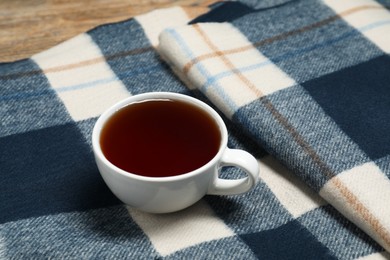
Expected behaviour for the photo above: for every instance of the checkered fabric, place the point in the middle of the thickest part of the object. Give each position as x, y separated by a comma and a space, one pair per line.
302, 85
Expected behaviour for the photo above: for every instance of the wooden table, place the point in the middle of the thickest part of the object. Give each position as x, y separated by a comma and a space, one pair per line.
31, 26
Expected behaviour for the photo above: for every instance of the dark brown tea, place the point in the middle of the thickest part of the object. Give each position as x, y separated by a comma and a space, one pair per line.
160, 138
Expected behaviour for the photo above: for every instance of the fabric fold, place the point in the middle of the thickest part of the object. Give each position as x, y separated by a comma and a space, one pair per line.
304, 92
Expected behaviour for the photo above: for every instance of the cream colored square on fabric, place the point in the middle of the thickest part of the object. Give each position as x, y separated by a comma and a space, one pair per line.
363, 194
78, 72
90, 102
156, 21
172, 232
69, 53
214, 66
367, 16
292, 193
252, 58
188, 37
267, 78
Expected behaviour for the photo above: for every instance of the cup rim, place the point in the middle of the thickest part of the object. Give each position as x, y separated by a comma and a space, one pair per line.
149, 96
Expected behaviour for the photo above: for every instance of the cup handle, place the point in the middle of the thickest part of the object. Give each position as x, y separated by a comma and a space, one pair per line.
243, 160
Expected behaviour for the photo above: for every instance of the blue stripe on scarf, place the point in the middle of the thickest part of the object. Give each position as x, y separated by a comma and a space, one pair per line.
233, 107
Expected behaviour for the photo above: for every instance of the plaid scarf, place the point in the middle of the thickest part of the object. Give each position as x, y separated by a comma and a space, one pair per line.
302, 85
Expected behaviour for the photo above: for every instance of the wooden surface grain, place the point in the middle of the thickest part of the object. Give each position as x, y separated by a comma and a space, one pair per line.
31, 26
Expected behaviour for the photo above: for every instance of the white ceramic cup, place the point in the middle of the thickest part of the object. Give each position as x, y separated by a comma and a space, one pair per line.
173, 193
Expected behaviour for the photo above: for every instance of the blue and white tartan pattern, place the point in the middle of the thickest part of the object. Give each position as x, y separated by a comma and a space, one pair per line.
306, 80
